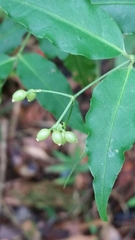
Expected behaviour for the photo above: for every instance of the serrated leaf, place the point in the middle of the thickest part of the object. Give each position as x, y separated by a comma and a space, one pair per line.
122, 14
11, 34
72, 26
37, 72
82, 69
50, 50
111, 127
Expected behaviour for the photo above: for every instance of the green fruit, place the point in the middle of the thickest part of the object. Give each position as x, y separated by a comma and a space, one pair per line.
31, 95
70, 137
57, 137
63, 138
43, 134
19, 96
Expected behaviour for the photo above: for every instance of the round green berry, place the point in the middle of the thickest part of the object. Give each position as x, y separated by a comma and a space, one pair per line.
57, 137
19, 96
43, 134
70, 137
31, 95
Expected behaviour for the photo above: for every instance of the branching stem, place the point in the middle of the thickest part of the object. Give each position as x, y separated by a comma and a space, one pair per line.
73, 97
100, 78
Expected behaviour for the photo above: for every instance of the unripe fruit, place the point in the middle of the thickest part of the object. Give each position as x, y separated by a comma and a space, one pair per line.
63, 138
57, 137
43, 134
19, 95
70, 137
30, 95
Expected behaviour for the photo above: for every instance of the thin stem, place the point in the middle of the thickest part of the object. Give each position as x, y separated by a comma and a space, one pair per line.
69, 114
24, 43
64, 113
53, 92
22, 47
100, 78
72, 98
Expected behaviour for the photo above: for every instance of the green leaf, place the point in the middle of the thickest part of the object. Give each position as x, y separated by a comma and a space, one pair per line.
130, 48
123, 15
6, 66
82, 69
68, 163
131, 202
11, 34
72, 26
111, 126
50, 50
108, 2
37, 72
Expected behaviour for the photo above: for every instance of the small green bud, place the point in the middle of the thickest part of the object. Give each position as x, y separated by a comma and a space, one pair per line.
19, 95
70, 137
43, 134
31, 95
57, 137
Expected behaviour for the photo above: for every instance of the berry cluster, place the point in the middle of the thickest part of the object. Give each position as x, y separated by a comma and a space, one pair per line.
59, 135
21, 94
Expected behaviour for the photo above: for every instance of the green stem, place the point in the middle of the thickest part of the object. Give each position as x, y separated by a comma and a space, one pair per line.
22, 47
72, 98
69, 113
64, 113
24, 43
53, 92
100, 78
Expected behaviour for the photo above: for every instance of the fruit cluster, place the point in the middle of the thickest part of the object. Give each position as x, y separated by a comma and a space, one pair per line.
21, 94
59, 135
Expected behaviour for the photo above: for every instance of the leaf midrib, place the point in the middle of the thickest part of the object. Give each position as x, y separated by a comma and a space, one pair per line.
110, 133
11, 59
61, 19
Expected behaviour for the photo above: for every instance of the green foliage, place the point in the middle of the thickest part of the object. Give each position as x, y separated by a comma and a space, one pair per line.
113, 103
11, 34
6, 65
129, 46
131, 202
75, 31
45, 75
67, 163
50, 50
121, 11
92, 30
83, 69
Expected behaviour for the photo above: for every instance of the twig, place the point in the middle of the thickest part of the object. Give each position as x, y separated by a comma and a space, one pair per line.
3, 155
